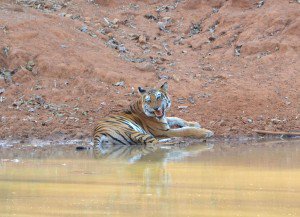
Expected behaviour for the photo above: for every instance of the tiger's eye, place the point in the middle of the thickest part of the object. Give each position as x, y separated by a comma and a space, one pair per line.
158, 95
147, 99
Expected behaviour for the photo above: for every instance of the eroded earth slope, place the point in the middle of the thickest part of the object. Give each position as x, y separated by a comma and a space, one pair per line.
232, 65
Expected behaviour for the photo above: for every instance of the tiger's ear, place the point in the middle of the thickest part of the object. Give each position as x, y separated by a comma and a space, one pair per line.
165, 87
141, 90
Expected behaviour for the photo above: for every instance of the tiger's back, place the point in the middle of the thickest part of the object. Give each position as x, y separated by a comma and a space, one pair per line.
118, 129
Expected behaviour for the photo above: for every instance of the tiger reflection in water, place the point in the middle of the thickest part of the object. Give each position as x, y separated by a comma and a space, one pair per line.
135, 153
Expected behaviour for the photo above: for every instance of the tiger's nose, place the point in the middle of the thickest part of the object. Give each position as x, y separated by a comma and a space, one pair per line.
156, 108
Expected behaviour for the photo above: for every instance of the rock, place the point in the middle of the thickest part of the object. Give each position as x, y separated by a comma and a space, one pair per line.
87, 19
212, 28
260, 3
182, 107
142, 39
215, 10
276, 121
208, 68
115, 21
145, 67
5, 51
7, 75
222, 123
68, 15
176, 78
150, 17
29, 66
134, 36
122, 48
112, 24
161, 26
40, 100
237, 50
75, 17
120, 83
167, 19
110, 35
31, 110
191, 100
247, 120
195, 29
157, 47
196, 42
212, 38
84, 29
181, 100
2, 90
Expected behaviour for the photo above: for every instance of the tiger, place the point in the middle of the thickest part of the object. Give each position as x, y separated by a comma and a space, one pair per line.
145, 122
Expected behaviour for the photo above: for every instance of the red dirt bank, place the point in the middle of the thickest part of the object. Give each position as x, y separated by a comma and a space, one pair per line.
231, 65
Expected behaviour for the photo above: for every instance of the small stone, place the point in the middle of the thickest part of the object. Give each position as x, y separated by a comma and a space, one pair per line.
182, 107
122, 48
5, 51
68, 15
150, 17
120, 83
134, 36
87, 19
110, 35
222, 123
115, 21
84, 29
2, 90
260, 3
157, 47
247, 120
145, 67
16, 161
195, 29
191, 100
176, 78
162, 26
75, 17
237, 50
40, 100
142, 39
276, 121
208, 68
29, 66
215, 10
35, 71
31, 110
212, 38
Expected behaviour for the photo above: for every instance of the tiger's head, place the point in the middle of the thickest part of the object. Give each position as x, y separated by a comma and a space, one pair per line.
155, 102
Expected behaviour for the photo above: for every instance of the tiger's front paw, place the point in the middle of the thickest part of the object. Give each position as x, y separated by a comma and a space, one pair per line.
194, 124
209, 134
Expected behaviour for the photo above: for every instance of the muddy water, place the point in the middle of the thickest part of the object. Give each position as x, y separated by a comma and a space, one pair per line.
257, 179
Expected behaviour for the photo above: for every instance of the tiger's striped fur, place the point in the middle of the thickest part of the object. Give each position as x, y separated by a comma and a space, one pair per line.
145, 122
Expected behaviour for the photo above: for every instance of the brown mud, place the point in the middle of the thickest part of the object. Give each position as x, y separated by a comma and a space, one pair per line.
231, 65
